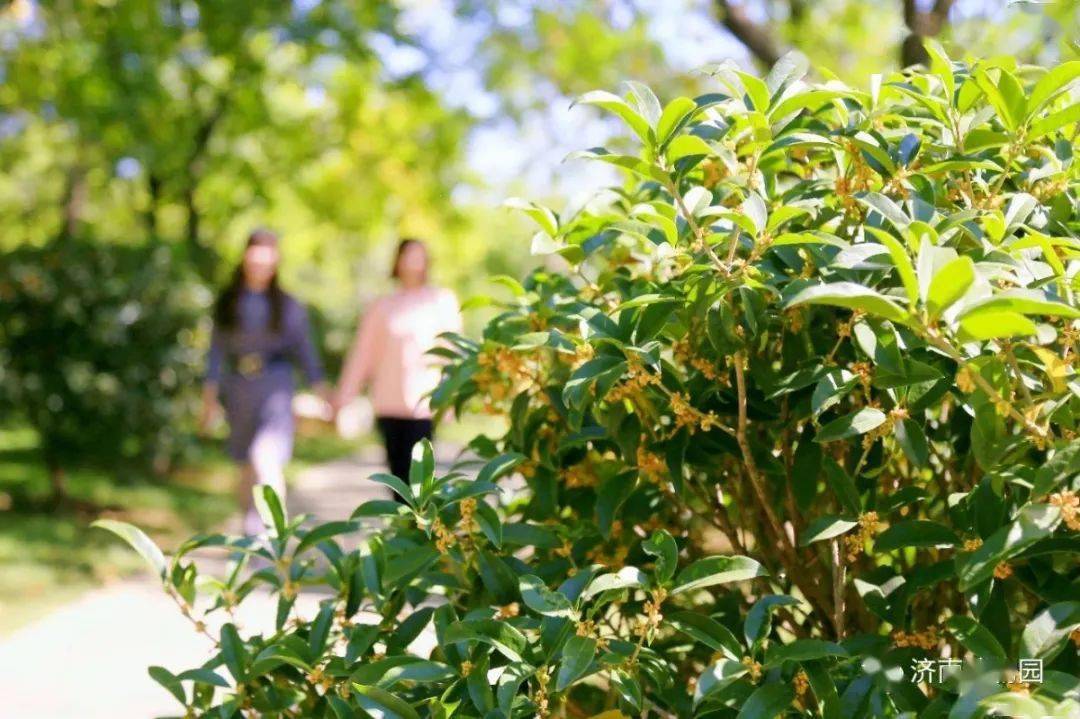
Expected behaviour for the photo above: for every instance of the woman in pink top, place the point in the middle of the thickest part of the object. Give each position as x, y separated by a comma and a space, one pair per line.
389, 355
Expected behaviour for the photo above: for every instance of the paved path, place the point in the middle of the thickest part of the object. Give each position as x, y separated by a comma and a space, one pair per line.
88, 659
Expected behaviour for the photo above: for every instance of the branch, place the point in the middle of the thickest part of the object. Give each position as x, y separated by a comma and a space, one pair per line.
757, 38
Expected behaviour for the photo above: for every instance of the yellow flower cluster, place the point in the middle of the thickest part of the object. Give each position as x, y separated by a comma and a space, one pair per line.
444, 538
613, 559
653, 616
753, 668
637, 378
1003, 571
468, 515
541, 697
686, 415
970, 545
683, 351
864, 372
503, 373
795, 319
1016, 686
508, 611
582, 474
1069, 503
855, 542
965, 381
582, 354
926, 639
801, 683
651, 465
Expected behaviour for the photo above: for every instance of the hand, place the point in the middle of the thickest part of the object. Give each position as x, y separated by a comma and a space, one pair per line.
326, 394
211, 411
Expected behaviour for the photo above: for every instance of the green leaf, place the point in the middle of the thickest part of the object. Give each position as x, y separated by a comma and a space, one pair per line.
615, 104
662, 546
842, 485
758, 621
756, 91
503, 636
1034, 522
499, 466
422, 467
853, 296
167, 679
544, 217
901, 260
858, 422
270, 509
138, 541
988, 325
767, 701
421, 671
203, 675
673, 116
949, 284
912, 440
627, 162
382, 704
396, 484
577, 655
915, 533
1006, 96
1053, 82
625, 578
341, 708
976, 638
542, 600
886, 208
826, 527
233, 652
1025, 302
832, 388
687, 146
1054, 121
708, 631
643, 100
824, 689
941, 66
323, 532
320, 629
711, 571
1048, 633
717, 677
802, 650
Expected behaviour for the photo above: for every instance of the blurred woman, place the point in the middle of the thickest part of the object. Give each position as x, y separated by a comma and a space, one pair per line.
260, 334
389, 356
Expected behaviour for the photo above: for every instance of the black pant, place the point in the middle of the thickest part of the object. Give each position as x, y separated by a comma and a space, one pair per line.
399, 435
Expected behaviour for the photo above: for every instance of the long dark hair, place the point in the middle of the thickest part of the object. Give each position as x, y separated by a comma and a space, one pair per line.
227, 310
402, 246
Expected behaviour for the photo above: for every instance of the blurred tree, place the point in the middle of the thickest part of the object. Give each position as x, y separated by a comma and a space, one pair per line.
170, 119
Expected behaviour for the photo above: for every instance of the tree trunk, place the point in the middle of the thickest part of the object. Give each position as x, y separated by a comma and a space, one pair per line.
757, 38
922, 25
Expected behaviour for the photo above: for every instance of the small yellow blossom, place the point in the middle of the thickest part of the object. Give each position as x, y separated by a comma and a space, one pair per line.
1069, 504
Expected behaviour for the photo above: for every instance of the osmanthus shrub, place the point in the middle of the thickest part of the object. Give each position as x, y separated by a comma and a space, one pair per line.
795, 410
